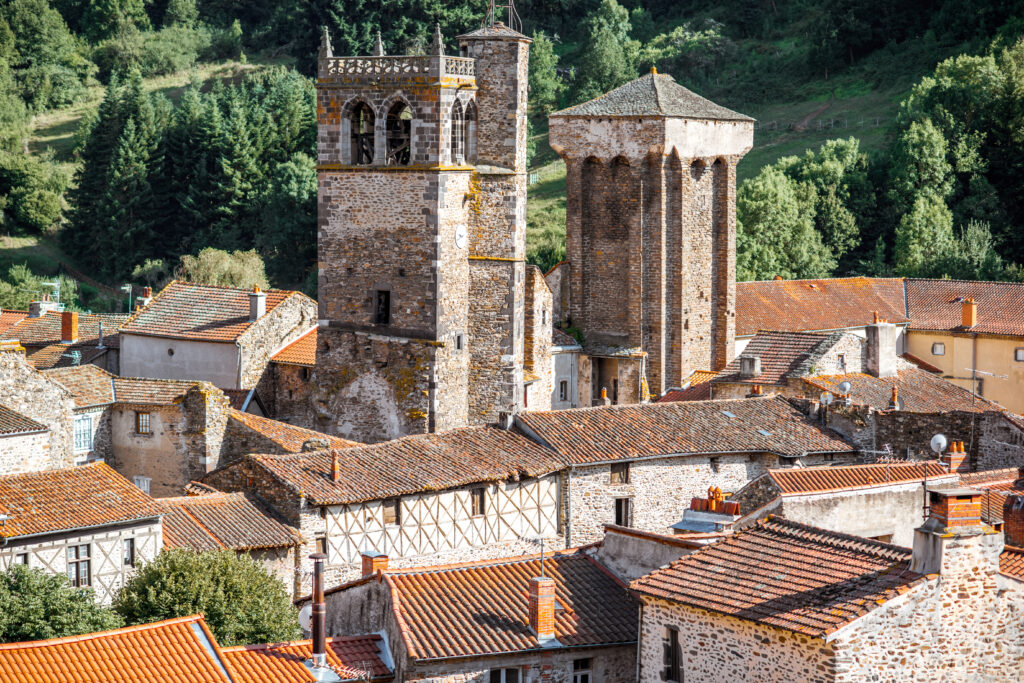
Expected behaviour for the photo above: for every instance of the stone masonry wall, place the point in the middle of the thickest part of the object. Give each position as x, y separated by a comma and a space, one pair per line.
538, 339
715, 647
29, 392
25, 453
607, 665
286, 390
966, 625
288, 321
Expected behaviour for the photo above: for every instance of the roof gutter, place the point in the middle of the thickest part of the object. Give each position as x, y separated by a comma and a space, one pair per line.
53, 532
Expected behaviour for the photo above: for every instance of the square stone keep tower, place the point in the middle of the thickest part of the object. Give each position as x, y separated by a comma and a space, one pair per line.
421, 237
651, 227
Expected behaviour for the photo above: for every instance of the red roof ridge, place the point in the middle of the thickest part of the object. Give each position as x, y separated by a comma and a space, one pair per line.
192, 618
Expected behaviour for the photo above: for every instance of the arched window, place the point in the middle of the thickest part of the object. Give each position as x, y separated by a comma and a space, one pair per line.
399, 135
361, 122
470, 144
458, 135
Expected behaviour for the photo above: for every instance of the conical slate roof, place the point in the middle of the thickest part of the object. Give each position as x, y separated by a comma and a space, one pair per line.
653, 94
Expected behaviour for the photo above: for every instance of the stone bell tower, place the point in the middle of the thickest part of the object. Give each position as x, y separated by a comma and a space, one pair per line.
651, 229
418, 190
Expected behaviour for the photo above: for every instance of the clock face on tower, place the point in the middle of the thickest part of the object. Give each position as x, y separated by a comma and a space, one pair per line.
460, 237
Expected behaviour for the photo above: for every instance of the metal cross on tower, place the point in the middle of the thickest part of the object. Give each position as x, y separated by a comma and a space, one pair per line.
512, 19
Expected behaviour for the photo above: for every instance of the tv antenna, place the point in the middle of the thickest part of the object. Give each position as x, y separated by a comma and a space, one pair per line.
512, 19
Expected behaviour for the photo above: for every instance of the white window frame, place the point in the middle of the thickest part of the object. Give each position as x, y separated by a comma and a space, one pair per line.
142, 483
83, 433
941, 346
1018, 354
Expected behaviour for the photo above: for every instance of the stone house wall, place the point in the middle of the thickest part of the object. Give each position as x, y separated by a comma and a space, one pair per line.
106, 552
716, 647
538, 340
281, 563
102, 434
288, 321
967, 624
24, 452
286, 391
27, 391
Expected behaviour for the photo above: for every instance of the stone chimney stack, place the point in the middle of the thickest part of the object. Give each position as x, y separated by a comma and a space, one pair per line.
541, 600
750, 367
969, 310
37, 309
953, 540
68, 327
881, 348
373, 562
257, 303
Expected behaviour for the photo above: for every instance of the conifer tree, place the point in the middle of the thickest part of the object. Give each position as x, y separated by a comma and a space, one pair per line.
126, 233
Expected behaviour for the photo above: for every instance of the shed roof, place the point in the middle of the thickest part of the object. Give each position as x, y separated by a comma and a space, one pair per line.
803, 480
13, 422
222, 520
289, 437
302, 351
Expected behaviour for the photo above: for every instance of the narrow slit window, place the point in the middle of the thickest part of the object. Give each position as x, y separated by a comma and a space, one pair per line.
382, 307
622, 511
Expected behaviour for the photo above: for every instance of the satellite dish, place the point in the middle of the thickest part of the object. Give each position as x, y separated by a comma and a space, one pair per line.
306, 618
844, 388
938, 443
826, 398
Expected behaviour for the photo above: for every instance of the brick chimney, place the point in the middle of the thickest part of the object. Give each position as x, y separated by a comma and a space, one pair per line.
257, 303
969, 312
1013, 520
750, 367
541, 601
68, 327
335, 467
955, 459
880, 358
373, 562
953, 539
147, 296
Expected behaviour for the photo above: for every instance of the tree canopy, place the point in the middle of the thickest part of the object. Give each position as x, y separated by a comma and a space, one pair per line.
35, 605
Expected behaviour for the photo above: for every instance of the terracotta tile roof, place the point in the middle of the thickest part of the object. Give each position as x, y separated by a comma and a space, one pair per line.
185, 310
696, 388
1011, 562
1006, 479
923, 364
63, 355
919, 391
284, 662
89, 385
936, 305
222, 520
409, 465
171, 651
74, 498
787, 575
302, 351
808, 305
237, 397
287, 436
480, 608
10, 318
782, 354
13, 422
560, 338
46, 329
803, 480
653, 95
759, 425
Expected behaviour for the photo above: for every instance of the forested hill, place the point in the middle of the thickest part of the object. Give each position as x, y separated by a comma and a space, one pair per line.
215, 179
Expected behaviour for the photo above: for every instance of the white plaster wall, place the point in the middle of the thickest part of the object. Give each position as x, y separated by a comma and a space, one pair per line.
700, 138
213, 362
566, 368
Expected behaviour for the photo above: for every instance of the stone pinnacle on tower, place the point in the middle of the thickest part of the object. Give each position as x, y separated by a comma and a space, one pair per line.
437, 46
378, 46
325, 45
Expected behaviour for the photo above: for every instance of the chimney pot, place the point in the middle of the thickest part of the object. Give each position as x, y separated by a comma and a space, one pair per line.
750, 366
69, 327
373, 562
257, 303
969, 310
318, 617
955, 459
542, 608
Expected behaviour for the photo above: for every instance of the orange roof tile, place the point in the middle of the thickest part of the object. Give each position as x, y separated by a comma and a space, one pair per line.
787, 575
91, 385
782, 354
146, 391
923, 364
480, 608
63, 355
288, 437
817, 305
1011, 562
74, 498
422, 462
804, 480
46, 329
222, 520
302, 351
186, 310
170, 651
13, 422
757, 425
696, 388
11, 318
937, 305
349, 657
919, 391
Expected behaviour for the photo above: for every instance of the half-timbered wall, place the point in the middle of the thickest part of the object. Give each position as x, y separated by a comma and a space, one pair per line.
439, 527
106, 554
